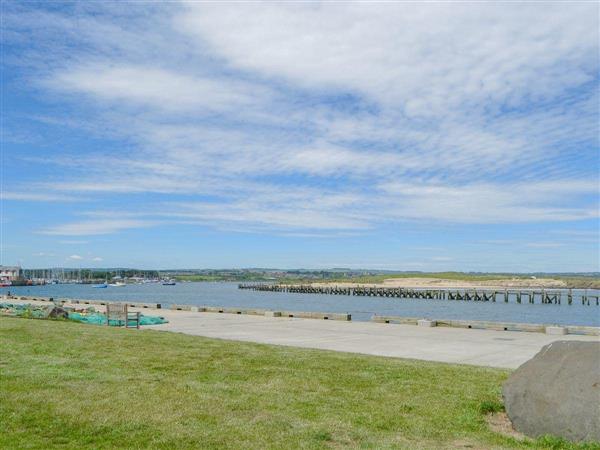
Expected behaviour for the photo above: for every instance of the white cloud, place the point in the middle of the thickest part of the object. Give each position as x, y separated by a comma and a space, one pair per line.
76, 257
544, 244
429, 57
492, 203
93, 227
313, 119
270, 217
441, 258
97, 259
302, 212
157, 88
36, 197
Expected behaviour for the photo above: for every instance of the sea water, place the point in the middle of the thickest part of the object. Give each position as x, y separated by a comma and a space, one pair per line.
361, 308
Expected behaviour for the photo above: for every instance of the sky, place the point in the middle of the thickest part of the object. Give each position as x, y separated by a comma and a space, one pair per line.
400, 136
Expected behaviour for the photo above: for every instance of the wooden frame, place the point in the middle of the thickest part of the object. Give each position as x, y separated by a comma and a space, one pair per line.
118, 311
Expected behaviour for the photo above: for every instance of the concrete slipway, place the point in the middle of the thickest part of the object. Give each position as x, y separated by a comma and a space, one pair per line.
506, 349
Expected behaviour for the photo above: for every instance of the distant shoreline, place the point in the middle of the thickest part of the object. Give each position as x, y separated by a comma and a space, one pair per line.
419, 282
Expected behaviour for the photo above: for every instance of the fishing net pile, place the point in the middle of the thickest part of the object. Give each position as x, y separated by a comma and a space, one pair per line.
85, 315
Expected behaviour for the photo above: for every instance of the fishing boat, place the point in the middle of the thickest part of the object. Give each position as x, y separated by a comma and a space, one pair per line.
100, 286
169, 283
5, 283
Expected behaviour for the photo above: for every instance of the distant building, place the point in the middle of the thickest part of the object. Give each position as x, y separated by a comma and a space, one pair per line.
10, 273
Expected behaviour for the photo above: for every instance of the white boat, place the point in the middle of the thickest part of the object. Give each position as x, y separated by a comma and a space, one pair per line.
117, 284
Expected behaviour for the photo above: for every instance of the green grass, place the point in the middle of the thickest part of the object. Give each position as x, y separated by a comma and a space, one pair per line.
70, 385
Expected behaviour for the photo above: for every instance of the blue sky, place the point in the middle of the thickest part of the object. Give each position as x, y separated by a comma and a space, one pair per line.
433, 136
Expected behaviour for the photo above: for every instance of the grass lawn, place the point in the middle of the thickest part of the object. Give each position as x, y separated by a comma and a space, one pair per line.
70, 385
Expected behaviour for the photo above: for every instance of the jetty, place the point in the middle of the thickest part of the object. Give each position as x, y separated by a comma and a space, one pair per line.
532, 296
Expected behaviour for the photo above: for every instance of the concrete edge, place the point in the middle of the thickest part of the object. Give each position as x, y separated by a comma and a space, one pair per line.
487, 325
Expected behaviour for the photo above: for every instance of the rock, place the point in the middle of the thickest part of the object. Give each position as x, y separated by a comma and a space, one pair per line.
557, 392
55, 312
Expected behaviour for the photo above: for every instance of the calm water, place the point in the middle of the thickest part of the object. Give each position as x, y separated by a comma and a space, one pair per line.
361, 308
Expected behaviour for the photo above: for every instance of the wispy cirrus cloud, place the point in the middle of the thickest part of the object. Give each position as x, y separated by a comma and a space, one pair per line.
94, 227
152, 87
38, 197
432, 59
331, 117
544, 244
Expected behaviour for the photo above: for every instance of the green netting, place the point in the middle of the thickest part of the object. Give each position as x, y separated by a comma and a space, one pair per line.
90, 315
100, 319
23, 310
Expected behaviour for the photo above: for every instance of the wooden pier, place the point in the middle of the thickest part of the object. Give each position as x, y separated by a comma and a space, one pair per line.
531, 296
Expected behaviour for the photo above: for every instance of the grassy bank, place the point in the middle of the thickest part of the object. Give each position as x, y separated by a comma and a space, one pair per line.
69, 385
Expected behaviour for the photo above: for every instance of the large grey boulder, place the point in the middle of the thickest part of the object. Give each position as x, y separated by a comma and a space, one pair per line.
557, 392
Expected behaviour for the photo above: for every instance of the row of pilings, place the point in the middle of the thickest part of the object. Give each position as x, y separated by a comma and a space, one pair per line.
543, 296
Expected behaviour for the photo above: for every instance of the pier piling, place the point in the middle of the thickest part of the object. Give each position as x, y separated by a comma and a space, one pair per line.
530, 296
